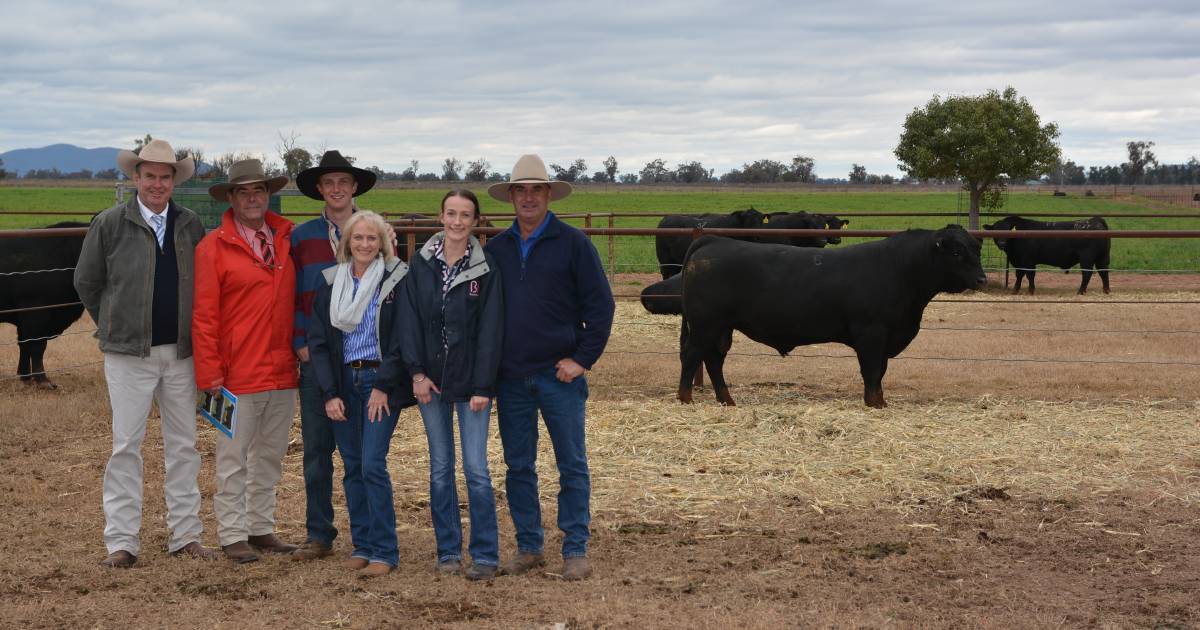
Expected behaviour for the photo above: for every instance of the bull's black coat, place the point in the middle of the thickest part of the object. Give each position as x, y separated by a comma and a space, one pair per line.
869, 297
39, 289
1025, 254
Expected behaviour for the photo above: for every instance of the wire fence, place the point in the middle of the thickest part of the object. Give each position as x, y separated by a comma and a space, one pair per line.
409, 231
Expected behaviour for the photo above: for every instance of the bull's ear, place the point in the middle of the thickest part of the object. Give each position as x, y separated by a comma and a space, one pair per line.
937, 243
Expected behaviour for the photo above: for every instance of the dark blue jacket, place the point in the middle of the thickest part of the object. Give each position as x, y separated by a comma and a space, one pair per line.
325, 342
557, 303
474, 324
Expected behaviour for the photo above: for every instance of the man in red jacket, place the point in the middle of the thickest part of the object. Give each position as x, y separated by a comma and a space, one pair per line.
241, 338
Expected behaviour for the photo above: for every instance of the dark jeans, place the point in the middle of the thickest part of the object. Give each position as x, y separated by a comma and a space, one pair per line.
518, 401
317, 432
364, 448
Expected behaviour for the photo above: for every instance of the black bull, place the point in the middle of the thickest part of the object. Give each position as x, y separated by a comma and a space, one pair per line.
1025, 254
870, 297
20, 290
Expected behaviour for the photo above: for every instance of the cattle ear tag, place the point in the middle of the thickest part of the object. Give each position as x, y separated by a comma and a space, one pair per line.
766, 219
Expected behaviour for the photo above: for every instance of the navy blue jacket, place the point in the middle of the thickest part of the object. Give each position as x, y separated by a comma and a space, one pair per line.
325, 342
474, 324
557, 303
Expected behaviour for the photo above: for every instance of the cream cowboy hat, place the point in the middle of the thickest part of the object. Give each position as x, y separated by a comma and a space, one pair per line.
158, 151
247, 172
530, 169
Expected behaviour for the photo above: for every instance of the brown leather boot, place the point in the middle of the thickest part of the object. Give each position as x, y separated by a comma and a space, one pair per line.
119, 559
355, 563
523, 563
271, 544
374, 570
240, 553
576, 568
194, 550
312, 550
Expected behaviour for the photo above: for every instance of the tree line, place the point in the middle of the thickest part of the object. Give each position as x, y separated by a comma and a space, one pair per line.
1142, 167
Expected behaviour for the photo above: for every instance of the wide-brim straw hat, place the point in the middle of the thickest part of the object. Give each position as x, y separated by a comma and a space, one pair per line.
529, 170
333, 162
159, 152
246, 172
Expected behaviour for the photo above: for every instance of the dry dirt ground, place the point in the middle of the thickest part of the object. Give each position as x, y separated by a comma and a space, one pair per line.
990, 494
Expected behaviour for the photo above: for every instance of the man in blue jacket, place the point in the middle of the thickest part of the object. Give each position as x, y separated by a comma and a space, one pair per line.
558, 312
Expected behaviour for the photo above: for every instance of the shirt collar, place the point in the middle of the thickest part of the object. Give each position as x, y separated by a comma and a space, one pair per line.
516, 227
147, 212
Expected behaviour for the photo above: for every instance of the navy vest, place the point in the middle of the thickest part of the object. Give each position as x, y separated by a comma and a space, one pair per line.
164, 314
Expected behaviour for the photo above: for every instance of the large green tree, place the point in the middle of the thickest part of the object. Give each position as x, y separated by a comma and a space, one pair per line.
983, 141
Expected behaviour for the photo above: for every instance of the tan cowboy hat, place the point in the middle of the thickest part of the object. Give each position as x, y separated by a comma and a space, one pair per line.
158, 151
530, 169
247, 172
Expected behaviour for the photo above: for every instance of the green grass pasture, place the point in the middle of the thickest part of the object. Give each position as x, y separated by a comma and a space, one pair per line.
637, 253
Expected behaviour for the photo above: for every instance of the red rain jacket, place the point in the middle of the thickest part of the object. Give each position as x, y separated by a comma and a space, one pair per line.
243, 311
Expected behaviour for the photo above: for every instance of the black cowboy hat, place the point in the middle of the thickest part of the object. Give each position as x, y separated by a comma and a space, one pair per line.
333, 162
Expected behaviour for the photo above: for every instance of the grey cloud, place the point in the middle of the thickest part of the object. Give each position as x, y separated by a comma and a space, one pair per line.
721, 82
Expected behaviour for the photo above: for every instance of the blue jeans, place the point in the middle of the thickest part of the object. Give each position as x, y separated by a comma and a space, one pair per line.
518, 401
364, 448
317, 432
443, 492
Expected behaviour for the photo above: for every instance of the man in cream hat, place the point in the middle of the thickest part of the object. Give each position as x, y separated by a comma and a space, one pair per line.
242, 334
558, 312
134, 276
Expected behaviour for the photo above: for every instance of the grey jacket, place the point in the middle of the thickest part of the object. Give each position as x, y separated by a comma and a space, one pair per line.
115, 277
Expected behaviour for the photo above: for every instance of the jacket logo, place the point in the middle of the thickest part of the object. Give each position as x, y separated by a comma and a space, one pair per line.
391, 297
473, 289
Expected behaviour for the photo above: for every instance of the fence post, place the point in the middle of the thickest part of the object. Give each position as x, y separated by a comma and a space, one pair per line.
612, 252
411, 240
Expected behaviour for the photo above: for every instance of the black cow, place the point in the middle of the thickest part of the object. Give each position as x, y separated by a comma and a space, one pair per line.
44, 288
869, 296
1025, 254
671, 249
794, 221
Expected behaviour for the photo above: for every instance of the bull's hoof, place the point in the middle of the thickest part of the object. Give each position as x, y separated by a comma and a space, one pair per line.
1106, 291
875, 400
685, 397
724, 398
46, 385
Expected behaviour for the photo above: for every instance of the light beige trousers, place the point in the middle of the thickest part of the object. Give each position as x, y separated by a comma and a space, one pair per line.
133, 382
250, 464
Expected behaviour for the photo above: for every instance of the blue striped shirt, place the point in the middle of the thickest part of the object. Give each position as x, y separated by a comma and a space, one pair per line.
362, 343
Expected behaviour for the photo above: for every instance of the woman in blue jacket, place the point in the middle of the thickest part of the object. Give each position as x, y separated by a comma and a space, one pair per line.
355, 356
452, 334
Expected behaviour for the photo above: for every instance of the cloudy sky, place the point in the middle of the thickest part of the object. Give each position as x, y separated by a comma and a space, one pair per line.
719, 82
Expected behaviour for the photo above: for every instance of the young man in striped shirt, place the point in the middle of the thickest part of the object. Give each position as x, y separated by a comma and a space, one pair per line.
314, 243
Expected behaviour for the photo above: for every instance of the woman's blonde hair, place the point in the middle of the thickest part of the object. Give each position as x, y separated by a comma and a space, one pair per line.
375, 221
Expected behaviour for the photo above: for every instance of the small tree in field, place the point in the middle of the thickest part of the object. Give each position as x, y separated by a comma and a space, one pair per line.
981, 140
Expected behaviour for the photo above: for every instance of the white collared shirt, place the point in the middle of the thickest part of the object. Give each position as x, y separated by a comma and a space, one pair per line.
147, 213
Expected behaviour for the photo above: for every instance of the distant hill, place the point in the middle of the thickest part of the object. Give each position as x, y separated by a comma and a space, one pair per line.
67, 158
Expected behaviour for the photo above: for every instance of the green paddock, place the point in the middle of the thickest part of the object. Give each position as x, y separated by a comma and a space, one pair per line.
636, 254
